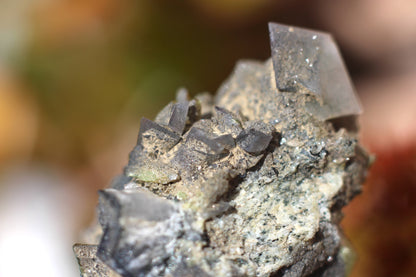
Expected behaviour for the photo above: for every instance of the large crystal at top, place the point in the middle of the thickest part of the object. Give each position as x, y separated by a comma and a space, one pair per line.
309, 61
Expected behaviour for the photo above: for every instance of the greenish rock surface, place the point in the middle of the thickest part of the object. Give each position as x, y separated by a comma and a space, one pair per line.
249, 183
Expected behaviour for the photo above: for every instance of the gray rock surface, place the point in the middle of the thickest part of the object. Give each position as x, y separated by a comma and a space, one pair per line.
250, 183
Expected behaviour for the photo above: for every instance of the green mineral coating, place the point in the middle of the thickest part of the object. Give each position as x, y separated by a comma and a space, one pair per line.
182, 195
148, 175
154, 174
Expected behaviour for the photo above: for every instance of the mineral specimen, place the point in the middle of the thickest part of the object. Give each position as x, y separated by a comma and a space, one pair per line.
250, 183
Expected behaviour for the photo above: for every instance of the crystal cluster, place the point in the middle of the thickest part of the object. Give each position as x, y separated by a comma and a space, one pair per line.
249, 183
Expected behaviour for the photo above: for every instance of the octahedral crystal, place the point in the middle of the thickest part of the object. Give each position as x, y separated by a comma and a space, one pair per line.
249, 183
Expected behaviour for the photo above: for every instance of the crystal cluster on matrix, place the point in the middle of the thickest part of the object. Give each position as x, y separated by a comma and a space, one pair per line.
250, 182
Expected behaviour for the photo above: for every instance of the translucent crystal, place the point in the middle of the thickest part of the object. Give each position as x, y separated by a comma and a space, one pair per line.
216, 145
131, 218
309, 61
154, 134
253, 141
133, 205
178, 119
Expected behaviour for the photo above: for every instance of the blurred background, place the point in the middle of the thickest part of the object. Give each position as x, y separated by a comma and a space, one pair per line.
76, 76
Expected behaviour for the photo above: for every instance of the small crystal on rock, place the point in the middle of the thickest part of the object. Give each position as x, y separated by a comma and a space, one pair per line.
253, 141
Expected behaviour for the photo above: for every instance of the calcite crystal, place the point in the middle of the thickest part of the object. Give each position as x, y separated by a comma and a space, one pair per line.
249, 183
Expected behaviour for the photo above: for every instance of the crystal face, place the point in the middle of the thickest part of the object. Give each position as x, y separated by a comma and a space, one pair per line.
249, 183
310, 62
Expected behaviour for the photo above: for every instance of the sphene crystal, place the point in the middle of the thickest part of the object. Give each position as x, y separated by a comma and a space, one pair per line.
250, 183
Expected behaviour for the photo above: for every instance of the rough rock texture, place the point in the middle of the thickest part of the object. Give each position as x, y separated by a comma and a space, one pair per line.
89, 263
250, 183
